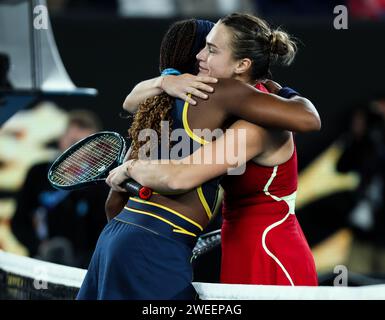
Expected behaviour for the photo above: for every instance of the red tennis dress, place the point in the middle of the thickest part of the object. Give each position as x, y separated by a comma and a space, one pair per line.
262, 241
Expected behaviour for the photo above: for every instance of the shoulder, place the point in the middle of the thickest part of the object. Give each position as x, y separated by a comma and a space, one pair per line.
233, 87
230, 90
224, 83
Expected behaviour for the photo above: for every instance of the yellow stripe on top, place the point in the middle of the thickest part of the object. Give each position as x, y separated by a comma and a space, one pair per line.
170, 193
168, 209
177, 228
202, 142
187, 127
204, 202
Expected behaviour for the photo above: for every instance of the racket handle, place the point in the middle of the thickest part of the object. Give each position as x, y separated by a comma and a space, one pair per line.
137, 189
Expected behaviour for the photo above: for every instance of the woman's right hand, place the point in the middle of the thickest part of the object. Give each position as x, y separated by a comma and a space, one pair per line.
117, 176
184, 85
272, 86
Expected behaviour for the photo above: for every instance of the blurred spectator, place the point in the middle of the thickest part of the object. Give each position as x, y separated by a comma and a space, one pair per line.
156, 8
213, 8
147, 8
187, 8
367, 9
4, 68
297, 7
57, 225
364, 153
373, 9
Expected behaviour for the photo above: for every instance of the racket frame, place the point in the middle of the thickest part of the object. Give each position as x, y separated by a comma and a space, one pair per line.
99, 178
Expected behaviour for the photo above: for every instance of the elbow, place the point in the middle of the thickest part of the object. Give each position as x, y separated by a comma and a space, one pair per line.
311, 120
313, 123
177, 185
129, 106
109, 210
114, 204
126, 106
316, 123
319, 124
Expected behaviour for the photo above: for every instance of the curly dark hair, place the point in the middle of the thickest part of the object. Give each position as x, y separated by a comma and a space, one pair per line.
175, 52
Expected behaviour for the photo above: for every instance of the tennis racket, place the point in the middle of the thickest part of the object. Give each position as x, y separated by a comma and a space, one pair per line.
89, 161
206, 242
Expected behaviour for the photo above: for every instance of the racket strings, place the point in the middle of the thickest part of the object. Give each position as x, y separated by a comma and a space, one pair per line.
89, 161
86, 163
72, 172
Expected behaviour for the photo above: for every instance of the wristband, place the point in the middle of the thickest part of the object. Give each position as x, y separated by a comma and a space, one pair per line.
287, 92
171, 71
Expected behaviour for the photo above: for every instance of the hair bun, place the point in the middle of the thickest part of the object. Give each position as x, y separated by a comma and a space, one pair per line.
282, 47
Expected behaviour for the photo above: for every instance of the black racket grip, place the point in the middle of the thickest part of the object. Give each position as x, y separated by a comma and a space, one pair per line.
137, 189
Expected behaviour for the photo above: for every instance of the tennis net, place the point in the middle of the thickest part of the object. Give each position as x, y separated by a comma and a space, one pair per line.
23, 278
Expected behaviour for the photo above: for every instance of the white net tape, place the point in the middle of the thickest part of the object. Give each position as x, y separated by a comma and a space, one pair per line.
41, 270
218, 291
73, 277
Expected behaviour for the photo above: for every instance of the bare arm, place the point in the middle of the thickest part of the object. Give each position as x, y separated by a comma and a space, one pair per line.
182, 175
175, 86
238, 99
116, 200
115, 203
142, 91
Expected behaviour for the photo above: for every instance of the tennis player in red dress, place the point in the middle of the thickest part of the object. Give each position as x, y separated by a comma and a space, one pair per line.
259, 212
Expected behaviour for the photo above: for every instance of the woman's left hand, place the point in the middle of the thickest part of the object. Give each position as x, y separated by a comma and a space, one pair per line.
117, 176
